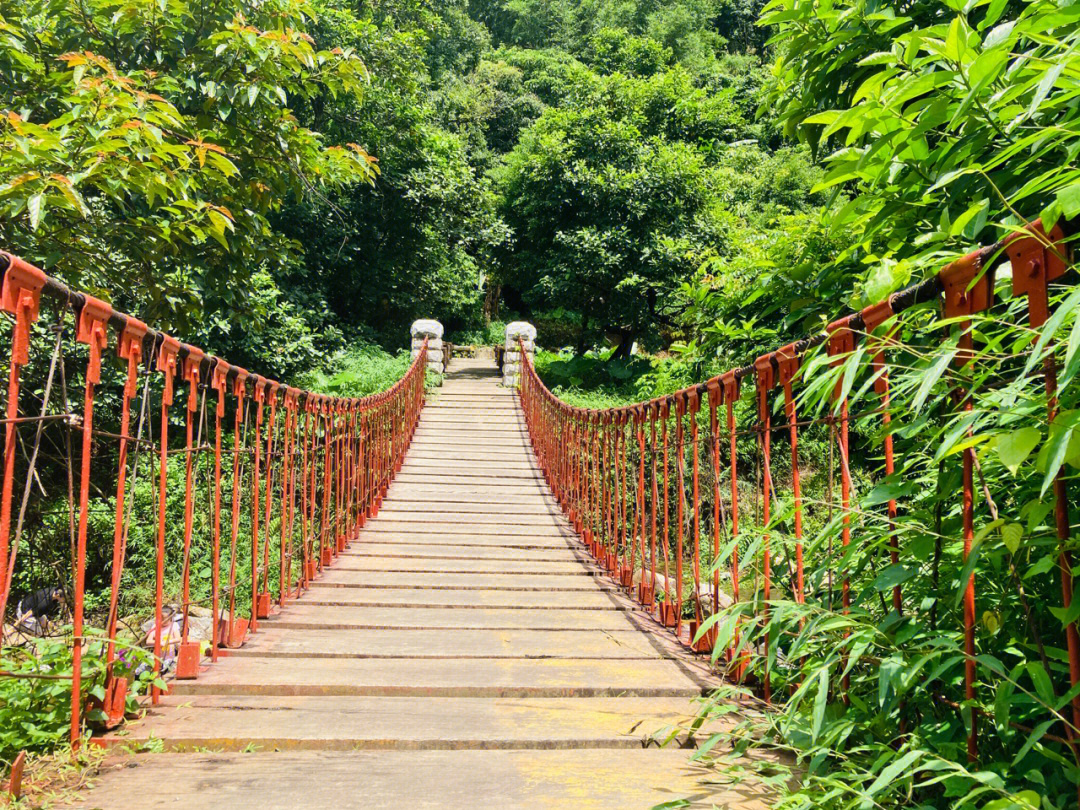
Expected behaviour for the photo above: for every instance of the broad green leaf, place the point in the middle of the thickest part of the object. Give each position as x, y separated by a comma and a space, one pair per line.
1014, 447
961, 221
1045, 86
1024, 800
1057, 449
1043, 686
33, 208
1031, 739
1069, 200
893, 575
1011, 535
894, 770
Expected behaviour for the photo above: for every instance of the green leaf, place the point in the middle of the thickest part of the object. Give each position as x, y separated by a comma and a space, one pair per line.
961, 221
954, 44
1011, 535
1057, 449
894, 770
33, 207
1003, 705
893, 575
821, 702
1024, 800
1031, 739
1043, 686
932, 375
1045, 86
1069, 200
889, 491
1014, 447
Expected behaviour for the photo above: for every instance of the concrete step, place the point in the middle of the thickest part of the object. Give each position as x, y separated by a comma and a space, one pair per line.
520, 506
289, 723
425, 562
419, 780
627, 643
299, 616
378, 543
426, 525
449, 677
460, 598
457, 580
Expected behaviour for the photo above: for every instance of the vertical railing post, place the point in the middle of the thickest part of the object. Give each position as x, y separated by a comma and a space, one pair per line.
259, 396
130, 348
237, 626
693, 403
715, 398
787, 364
20, 297
1037, 261
841, 344
92, 330
668, 610
219, 375
969, 290
766, 380
271, 431
730, 385
168, 352
680, 507
187, 658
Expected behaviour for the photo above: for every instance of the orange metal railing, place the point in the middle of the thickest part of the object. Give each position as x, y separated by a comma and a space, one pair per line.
621, 473
330, 459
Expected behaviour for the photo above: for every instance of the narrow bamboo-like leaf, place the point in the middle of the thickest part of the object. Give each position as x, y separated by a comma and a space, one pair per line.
932, 375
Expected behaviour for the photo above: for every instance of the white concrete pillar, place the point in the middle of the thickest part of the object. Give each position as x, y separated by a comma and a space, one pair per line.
515, 331
433, 332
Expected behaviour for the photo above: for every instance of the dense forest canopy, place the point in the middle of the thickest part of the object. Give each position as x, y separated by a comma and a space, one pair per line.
323, 172
337, 169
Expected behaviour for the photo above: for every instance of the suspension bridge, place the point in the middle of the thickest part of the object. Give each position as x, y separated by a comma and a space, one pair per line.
476, 597
463, 651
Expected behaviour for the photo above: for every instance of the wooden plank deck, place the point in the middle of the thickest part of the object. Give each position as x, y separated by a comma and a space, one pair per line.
465, 652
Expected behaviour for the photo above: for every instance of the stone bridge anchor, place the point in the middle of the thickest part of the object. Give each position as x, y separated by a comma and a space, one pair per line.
432, 331
515, 331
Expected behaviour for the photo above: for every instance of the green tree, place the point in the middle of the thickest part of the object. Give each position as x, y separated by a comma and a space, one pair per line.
143, 146
943, 121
